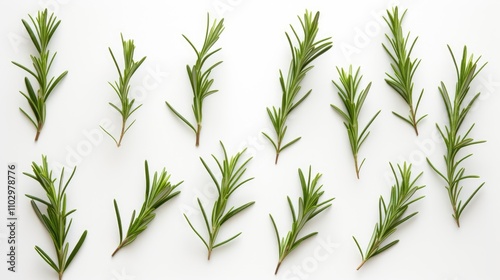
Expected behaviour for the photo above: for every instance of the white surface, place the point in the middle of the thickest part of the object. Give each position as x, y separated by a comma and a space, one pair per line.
254, 48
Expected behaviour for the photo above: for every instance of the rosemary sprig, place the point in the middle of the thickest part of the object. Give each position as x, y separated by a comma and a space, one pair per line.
308, 207
304, 53
44, 27
201, 82
157, 193
232, 173
456, 110
353, 102
403, 66
391, 214
56, 218
122, 87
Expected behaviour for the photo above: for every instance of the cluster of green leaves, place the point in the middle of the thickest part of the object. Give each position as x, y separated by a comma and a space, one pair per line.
232, 173
308, 207
56, 218
403, 66
44, 27
392, 215
303, 55
201, 82
122, 87
353, 102
157, 193
456, 110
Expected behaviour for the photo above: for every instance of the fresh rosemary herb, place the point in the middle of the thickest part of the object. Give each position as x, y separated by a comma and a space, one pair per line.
44, 27
232, 173
353, 102
122, 87
201, 82
157, 193
391, 215
403, 66
303, 55
56, 218
308, 207
456, 110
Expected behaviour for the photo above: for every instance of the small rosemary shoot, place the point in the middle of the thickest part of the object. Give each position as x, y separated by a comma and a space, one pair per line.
122, 87
391, 215
403, 66
353, 102
456, 110
232, 173
201, 82
157, 193
55, 219
308, 207
44, 27
303, 54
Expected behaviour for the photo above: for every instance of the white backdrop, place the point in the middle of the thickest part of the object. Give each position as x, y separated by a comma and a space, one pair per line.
254, 48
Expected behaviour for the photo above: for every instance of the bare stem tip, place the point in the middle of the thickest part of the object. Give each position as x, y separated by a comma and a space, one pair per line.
116, 250
361, 265
356, 165
198, 132
277, 268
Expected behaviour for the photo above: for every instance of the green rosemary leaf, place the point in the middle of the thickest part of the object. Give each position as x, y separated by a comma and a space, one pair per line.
289, 144
159, 191
199, 78
231, 172
233, 211
309, 206
469, 199
385, 247
403, 66
457, 108
55, 221
306, 51
122, 87
46, 258
195, 231
391, 215
353, 101
45, 27
298, 242
77, 248
118, 219
180, 116
227, 241
38, 199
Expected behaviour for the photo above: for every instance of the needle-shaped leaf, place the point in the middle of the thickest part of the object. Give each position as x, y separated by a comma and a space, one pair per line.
180, 116
46, 258
118, 219
77, 248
